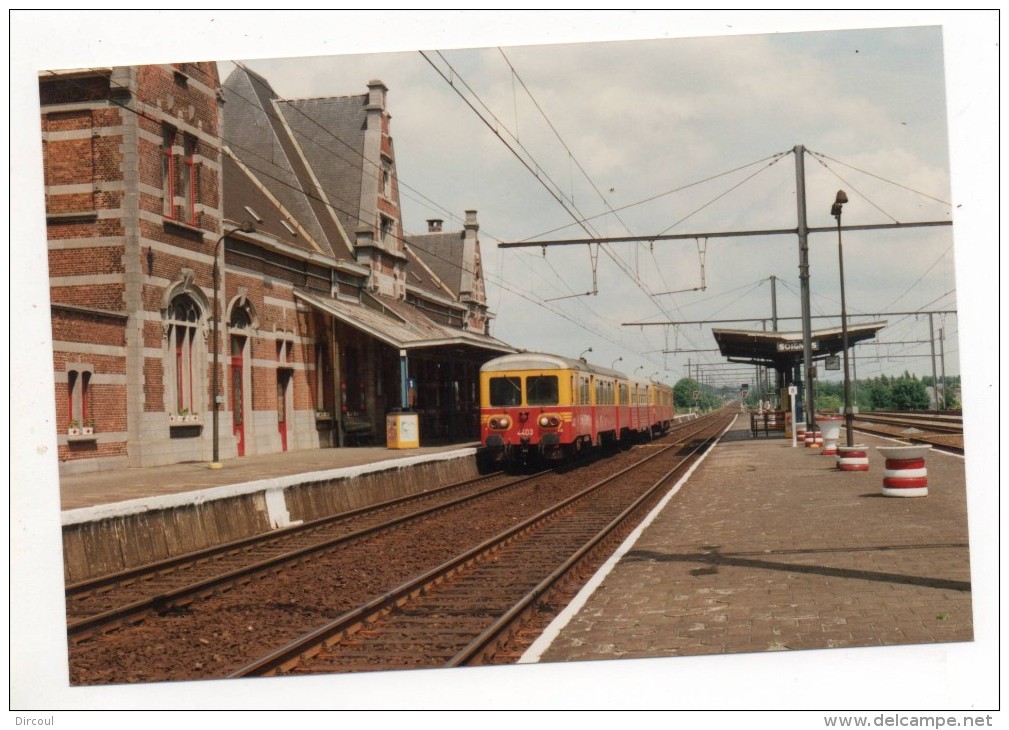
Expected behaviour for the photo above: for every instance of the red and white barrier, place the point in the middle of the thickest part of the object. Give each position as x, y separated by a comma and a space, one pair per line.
853, 458
905, 474
814, 438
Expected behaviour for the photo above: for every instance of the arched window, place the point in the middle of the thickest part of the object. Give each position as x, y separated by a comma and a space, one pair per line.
240, 319
79, 406
182, 362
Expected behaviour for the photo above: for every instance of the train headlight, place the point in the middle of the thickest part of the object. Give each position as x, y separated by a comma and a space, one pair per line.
501, 423
549, 421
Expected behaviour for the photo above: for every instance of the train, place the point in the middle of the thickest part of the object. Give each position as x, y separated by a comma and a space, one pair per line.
543, 407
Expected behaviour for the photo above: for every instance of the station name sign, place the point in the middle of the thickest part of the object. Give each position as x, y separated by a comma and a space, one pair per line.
796, 346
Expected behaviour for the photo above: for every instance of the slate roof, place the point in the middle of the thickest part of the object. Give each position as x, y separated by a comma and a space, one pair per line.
330, 135
254, 130
442, 253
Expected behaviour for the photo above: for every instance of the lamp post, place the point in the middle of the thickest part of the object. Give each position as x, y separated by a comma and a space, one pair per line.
835, 211
614, 363
584, 352
245, 227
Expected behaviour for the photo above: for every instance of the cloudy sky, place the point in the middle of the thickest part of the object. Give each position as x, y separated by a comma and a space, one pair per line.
643, 123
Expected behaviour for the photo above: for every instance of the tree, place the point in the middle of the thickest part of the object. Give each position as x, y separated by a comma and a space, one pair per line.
826, 403
683, 392
909, 394
878, 393
683, 395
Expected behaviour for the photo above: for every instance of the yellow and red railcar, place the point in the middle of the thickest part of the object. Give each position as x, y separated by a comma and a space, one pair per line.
535, 405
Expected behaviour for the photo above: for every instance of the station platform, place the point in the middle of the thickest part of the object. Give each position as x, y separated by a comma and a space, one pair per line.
106, 487
768, 547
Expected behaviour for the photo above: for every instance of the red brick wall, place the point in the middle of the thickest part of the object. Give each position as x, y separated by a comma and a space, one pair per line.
105, 402
84, 147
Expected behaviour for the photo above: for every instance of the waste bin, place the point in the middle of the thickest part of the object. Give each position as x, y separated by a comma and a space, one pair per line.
402, 431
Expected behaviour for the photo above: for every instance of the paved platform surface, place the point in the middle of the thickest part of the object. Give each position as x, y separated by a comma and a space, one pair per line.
88, 490
767, 547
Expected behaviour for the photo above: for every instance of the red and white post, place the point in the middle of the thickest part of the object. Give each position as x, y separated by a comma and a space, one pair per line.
905, 474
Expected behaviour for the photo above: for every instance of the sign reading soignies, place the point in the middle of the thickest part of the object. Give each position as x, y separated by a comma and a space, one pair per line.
796, 346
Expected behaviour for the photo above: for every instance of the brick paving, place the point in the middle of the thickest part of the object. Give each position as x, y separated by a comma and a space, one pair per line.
770, 548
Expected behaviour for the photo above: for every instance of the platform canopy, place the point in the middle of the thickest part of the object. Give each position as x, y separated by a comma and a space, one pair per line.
781, 350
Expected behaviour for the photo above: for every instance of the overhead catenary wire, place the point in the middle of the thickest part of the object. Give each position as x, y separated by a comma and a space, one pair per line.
529, 163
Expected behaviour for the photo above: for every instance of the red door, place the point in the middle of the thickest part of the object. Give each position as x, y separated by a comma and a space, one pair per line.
237, 394
283, 380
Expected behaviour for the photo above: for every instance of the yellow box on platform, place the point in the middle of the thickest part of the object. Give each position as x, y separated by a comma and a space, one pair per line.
402, 431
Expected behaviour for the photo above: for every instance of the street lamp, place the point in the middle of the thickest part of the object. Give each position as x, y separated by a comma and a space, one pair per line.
614, 363
835, 211
245, 227
582, 356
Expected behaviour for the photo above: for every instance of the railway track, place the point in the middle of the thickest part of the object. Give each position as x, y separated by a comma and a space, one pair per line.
939, 430
101, 604
468, 609
205, 629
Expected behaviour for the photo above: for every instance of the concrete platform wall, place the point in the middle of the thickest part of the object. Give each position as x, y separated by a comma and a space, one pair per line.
109, 538
319, 499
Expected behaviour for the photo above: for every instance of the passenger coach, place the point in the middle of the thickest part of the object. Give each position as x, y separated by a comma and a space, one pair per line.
535, 405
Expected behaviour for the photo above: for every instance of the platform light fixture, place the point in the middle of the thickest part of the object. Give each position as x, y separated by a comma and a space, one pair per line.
245, 227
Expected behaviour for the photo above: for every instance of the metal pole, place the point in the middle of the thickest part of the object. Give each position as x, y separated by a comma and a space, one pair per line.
931, 342
942, 364
848, 417
807, 328
245, 227
215, 462
403, 382
854, 378
774, 303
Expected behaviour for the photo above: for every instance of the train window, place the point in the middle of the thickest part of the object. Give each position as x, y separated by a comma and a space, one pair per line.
542, 390
505, 391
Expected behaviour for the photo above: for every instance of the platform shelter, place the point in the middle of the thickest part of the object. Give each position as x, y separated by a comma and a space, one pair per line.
783, 352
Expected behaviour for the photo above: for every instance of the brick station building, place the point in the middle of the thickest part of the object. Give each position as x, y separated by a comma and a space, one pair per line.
153, 175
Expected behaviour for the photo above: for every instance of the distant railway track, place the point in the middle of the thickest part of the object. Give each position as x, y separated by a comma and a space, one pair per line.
943, 431
140, 625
